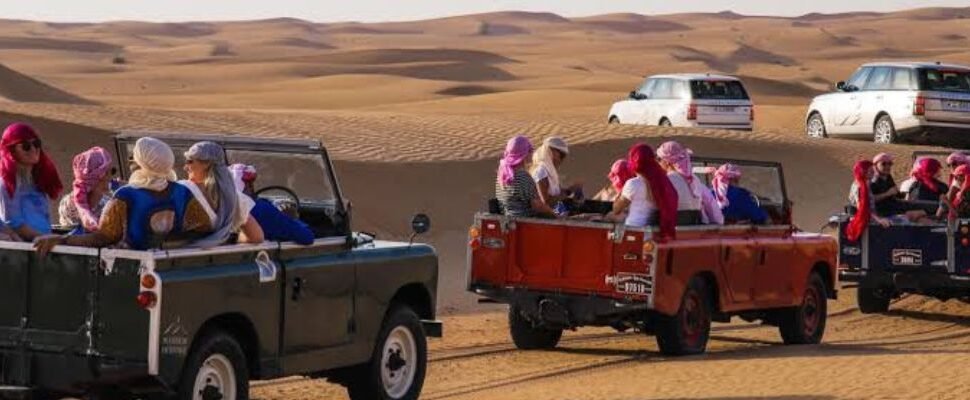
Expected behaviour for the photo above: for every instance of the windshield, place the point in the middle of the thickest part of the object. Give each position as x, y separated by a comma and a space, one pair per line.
718, 90
763, 181
941, 80
306, 174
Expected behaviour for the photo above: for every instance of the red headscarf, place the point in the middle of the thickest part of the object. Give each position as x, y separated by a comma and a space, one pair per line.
644, 162
44, 173
963, 171
860, 221
925, 172
620, 172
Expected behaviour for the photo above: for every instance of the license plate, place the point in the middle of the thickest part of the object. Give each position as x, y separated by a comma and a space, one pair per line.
722, 109
953, 105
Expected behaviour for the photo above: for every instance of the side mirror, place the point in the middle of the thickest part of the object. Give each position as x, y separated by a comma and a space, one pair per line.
840, 85
634, 95
420, 224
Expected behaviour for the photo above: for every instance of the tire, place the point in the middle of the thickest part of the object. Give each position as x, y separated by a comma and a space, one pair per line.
397, 368
883, 131
216, 367
526, 336
664, 122
614, 120
805, 324
688, 331
872, 300
815, 127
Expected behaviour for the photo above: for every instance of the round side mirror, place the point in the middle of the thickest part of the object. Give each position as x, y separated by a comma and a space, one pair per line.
420, 224
840, 85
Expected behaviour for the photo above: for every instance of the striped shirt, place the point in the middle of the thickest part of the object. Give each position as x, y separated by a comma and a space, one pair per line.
516, 198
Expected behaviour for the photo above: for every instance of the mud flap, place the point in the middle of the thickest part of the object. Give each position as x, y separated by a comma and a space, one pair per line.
552, 313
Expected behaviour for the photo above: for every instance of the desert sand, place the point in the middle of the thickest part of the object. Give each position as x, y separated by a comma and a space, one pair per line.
419, 111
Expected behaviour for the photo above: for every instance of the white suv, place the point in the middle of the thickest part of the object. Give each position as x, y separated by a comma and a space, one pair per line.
687, 100
887, 100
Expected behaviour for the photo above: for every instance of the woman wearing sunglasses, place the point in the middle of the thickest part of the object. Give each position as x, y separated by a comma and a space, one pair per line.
81, 209
29, 182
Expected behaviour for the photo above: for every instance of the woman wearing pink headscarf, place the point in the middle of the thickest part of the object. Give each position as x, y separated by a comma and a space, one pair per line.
693, 195
620, 172
515, 189
736, 202
82, 207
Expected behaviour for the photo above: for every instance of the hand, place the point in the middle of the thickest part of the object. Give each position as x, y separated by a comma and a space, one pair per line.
883, 222
44, 244
892, 192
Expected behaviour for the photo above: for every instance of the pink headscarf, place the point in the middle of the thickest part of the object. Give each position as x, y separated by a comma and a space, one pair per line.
242, 174
925, 172
882, 157
722, 180
620, 172
90, 167
958, 158
517, 150
679, 156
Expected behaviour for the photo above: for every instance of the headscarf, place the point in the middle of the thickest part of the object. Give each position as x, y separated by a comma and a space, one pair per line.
155, 162
242, 174
860, 221
516, 151
644, 162
221, 182
925, 172
620, 172
542, 157
90, 167
958, 158
882, 157
964, 171
722, 180
44, 174
679, 156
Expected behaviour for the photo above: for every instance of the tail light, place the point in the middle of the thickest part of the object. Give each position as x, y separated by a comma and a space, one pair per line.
919, 106
474, 238
751, 114
692, 112
148, 281
146, 300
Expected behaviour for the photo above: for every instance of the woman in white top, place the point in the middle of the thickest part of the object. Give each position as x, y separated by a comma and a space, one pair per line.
546, 161
692, 194
213, 186
648, 198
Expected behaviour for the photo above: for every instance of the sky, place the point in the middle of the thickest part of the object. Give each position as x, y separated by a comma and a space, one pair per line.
402, 10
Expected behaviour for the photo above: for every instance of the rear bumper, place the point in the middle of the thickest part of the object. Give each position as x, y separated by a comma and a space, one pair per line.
433, 329
562, 310
70, 373
739, 127
930, 282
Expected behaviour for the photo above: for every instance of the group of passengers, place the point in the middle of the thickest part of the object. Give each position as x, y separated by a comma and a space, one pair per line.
646, 188
923, 198
214, 206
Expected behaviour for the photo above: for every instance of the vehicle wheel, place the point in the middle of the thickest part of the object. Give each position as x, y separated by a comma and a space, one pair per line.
815, 127
215, 370
872, 300
526, 336
884, 131
805, 324
397, 367
665, 123
687, 332
614, 120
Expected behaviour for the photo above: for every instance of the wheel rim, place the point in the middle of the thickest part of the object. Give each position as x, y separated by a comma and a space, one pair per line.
665, 123
399, 362
692, 321
884, 132
811, 311
816, 128
216, 379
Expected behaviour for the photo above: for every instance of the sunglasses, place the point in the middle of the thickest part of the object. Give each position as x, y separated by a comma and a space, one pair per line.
29, 145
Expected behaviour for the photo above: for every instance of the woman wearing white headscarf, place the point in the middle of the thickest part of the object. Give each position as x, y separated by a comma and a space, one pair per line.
213, 186
546, 161
150, 212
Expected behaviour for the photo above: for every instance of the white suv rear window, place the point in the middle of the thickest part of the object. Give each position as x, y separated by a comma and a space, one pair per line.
941, 80
718, 90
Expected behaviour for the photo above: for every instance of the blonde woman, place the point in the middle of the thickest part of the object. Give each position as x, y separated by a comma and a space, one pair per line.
546, 161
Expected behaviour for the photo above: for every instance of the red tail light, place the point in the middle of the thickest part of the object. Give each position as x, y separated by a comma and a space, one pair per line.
919, 106
146, 300
751, 114
692, 112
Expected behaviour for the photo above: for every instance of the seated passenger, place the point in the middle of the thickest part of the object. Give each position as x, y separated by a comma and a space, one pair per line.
861, 198
546, 161
737, 203
649, 198
694, 197
150, 212
213, 186
953, 161
276, 225
29, 182
961, 201
620, 172
927, 186
514, 187
81, 209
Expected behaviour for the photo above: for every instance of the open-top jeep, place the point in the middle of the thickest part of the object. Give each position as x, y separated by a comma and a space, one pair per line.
199, 324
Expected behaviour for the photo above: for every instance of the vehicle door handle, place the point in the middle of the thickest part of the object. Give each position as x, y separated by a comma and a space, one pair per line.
298, 285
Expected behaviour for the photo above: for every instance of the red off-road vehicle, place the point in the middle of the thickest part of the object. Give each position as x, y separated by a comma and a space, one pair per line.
563, 274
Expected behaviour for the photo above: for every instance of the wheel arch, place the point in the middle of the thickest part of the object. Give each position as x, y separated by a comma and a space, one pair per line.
239, 327
879, 115
417, 297
612, 117
824, 270
713, 290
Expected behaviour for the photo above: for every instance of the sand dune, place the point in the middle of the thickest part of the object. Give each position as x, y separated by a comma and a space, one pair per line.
19, 87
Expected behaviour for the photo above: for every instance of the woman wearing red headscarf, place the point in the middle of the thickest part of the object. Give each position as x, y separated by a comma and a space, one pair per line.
29, 182
649, 193
927, 186
861, 198
961, 200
